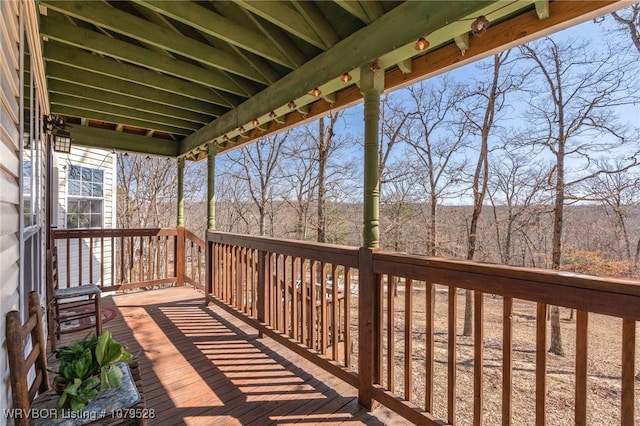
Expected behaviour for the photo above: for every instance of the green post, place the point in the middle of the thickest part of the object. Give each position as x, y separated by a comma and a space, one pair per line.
180, 221
371, 86
211, 193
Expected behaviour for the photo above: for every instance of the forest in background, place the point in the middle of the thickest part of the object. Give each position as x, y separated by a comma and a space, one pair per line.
527, 158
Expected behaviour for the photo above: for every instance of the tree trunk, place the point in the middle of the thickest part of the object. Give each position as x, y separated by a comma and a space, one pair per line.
323, 144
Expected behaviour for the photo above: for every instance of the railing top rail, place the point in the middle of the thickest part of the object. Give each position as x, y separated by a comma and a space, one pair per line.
330, 253
193, 237
110, 233
610, 296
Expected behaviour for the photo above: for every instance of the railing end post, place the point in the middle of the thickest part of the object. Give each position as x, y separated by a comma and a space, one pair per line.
180, 254
366, 327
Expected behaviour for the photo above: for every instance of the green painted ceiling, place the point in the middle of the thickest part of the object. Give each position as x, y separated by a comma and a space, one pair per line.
170, 77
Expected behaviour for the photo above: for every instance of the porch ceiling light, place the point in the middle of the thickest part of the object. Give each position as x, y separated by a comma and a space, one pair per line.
272, 114
346, 77
316, 92
292, 105
421, 44
479, 26
255, 122
62, 141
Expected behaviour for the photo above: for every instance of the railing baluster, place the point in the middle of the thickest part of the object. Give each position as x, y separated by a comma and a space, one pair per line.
90, 262
628, 371
582, 322
286, 279
347, 317
452, 359
478, 357
408, 339
296, 292
541, 363
507, 359
323, 306
304, 296
391, 335
314, 319
429, 348
335, 317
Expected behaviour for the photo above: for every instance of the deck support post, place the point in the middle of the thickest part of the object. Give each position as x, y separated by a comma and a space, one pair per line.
179, 253
369, 295
263, 273
180, 220
371, 86
211, 192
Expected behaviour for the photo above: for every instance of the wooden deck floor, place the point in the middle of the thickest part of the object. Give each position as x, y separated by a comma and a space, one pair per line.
201, 366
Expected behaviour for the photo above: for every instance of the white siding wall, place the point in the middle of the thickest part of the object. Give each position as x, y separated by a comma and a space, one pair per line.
94, 159
9, 179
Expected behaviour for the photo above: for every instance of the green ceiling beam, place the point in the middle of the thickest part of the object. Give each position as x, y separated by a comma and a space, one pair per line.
355, 9
218, 26
106, 67
100, 115
373, 9
123, 111
110, 139
78, 76
286, 17
63, 32
409, 21
316, 20
279, 38
119, 99
103, 15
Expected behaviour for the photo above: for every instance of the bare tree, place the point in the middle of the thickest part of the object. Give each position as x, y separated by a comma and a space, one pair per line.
480, 114
147, 191
256, 165
619, 193
573, 96
628, 21
515, 186
438, 139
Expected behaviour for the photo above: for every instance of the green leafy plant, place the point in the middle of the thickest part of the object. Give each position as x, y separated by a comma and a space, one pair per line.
88, 367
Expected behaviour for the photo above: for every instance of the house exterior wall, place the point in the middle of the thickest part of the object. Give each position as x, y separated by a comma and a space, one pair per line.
23, 170
94, 160
9, 179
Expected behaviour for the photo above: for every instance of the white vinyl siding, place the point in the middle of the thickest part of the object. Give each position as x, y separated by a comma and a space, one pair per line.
88, 159
9, 179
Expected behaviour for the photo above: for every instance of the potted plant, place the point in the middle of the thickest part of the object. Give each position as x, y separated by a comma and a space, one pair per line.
88, 367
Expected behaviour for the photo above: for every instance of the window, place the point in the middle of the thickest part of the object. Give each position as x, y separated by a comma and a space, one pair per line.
85, 190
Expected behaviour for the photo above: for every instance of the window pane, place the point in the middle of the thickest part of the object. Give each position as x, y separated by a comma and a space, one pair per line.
96, 206
85, 206
98, 176
86, 174
84, 220
74, 172
72, 221
96, 221
74, 187
97, 190
86, 189
72, 207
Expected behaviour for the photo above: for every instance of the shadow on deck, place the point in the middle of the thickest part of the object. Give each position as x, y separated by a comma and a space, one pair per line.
201, 366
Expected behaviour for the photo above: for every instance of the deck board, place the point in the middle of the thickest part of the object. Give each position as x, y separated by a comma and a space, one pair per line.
202, 366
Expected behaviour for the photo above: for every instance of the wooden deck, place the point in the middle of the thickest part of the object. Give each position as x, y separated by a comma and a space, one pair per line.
201, 366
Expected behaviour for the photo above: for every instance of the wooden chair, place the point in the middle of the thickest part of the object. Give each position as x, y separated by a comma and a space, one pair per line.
39, 395
70, 304
20, 365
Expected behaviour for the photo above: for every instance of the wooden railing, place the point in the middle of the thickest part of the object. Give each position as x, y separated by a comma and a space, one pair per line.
296, 292
124, 259
403, 315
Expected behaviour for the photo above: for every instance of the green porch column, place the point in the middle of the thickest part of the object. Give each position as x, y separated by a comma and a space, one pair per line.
371, 86
180, 221
211, 193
